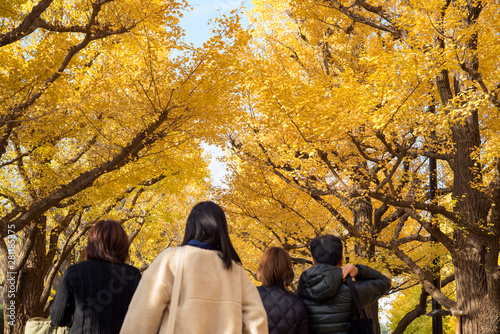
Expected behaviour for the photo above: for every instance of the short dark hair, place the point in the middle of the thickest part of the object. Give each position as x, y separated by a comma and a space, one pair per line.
327, 249
108, 241
275, 267
207, 223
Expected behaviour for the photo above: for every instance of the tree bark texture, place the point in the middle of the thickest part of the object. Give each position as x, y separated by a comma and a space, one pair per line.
475, 297
362, 210
30, 280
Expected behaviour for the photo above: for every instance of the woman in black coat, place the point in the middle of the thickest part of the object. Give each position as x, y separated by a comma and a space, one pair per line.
94, 295
286, 313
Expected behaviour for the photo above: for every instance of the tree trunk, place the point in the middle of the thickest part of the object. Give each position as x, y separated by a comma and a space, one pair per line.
479, 303
362, 210
475, 254
30, 281
372, 313
474, 262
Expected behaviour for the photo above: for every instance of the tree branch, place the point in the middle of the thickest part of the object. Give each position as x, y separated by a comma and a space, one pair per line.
10, 120
437, 209
86, 179
364, 20
27, 26
425, 278
420, 309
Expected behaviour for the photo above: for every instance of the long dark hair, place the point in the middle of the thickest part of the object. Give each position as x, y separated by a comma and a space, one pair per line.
207, 223
108, 241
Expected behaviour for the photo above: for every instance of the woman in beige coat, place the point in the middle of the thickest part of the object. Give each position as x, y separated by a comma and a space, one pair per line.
216, 295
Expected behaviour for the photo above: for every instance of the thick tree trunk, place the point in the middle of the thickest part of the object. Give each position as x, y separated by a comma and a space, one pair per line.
474, 262
475, 255
30, 281
372, 313
480, 305
362, 210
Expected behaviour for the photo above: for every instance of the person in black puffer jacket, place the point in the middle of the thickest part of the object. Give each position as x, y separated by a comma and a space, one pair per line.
325, 294
286, 313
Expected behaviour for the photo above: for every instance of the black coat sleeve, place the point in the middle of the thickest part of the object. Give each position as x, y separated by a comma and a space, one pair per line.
371, 284
63, 307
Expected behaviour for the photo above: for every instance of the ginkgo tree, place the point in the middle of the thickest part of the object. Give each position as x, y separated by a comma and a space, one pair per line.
351, 100
103, 109
265, 211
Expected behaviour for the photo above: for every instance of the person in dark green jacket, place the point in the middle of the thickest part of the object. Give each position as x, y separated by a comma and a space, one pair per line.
324, 292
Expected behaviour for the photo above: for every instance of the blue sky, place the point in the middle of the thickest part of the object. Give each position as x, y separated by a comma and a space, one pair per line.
195, 21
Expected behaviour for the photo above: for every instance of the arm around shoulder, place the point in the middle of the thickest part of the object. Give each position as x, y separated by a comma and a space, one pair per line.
371, 284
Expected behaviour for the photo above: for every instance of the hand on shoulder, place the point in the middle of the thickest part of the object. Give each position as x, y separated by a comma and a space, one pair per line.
349, 269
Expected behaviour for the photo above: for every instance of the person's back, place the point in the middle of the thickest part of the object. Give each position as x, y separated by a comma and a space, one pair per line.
94, 296
215, 294
212, 299
326, 295
286, 313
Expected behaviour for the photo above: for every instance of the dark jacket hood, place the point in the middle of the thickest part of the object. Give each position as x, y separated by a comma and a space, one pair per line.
320, 282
